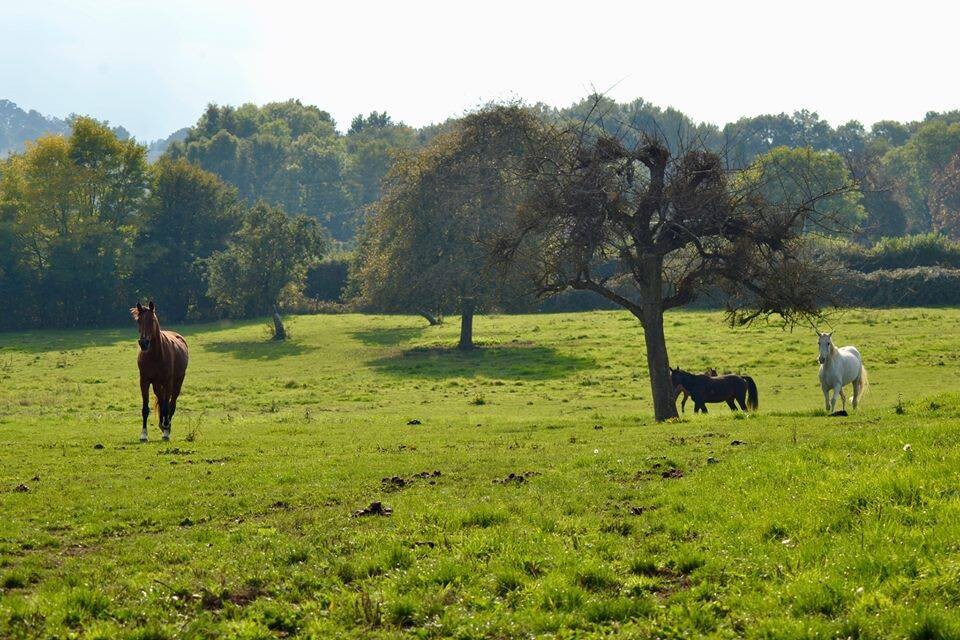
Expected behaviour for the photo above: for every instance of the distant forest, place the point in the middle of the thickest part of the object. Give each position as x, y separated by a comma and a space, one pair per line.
91, 219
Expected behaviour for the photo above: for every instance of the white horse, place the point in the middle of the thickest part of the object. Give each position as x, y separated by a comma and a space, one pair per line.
839, 367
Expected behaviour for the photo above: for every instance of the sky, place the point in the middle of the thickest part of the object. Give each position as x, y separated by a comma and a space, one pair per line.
153, 66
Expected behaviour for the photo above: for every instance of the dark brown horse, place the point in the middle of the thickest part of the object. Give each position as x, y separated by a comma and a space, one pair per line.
163, 363
683, 403
726, 388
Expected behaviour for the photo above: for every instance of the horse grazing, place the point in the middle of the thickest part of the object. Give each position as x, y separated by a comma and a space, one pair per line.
839, 367
163, 363
726, 388
683, 403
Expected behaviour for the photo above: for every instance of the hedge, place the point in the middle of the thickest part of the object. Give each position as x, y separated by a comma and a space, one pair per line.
916, 287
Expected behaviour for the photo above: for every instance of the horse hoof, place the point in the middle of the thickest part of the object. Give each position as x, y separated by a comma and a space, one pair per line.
166, 438
143, 440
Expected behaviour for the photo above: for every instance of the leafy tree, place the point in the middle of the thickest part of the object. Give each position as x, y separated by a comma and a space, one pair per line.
71, 204
372, 144
788, 178
422, 248
285, 153
925, 155
190, 215
748, 138
651, 231
267, 259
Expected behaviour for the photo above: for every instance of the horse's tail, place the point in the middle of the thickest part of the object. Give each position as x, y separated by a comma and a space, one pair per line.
864, 382
753, 402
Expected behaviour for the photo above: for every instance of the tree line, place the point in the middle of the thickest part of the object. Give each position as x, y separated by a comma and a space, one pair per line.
88, 227
239, 212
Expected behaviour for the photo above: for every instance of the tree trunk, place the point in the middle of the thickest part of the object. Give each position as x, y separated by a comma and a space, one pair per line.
664, 398
467, 306
279, 333
433, 320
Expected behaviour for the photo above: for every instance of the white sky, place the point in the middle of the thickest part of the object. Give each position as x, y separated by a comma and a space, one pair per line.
153, 66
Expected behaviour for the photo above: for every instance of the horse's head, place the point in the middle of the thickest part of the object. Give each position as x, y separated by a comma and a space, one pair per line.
147, 323
826, 345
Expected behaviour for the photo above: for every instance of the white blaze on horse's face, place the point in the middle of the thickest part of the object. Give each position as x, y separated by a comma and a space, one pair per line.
825, 346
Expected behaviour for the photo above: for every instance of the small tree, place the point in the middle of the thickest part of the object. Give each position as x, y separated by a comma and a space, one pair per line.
423, 247
270, 254
651, 230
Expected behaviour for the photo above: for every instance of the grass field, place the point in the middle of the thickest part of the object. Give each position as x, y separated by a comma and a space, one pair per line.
551, 503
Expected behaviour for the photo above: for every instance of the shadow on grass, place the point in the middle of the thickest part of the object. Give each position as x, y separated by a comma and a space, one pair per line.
257, 349
386, 337
66, 339
514, 361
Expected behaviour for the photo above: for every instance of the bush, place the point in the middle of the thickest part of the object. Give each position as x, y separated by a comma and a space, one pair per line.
327, 280
917, 287
906, 252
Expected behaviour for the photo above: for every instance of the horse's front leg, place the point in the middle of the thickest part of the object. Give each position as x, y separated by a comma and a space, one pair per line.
826, 399
833, 398
843, 399
145, 410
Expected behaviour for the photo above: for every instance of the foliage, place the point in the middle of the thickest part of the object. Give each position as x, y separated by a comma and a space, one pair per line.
651, 231
423, 246
327, 280
69, 209
292, 155
917, 286
190, 215
809, 527
268, 256
791, 178
925, 250
944, 198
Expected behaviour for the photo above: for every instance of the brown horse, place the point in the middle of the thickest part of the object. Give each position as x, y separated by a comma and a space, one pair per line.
163, 363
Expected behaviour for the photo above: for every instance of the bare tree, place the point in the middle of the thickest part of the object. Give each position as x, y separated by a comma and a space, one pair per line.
653, 230
944, 199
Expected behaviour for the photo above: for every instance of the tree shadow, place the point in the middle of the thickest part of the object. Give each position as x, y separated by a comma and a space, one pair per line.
514, 361
47, 340
257, 349
386, 337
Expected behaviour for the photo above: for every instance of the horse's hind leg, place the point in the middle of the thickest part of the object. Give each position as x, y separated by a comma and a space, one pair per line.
145, 411
742, 401
172, 406
843, 399
732, 406
857, 390
161, 394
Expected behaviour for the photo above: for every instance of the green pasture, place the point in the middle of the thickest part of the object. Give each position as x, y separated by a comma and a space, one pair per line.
531, 494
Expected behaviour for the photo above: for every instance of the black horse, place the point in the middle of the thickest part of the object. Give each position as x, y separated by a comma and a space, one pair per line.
727, 388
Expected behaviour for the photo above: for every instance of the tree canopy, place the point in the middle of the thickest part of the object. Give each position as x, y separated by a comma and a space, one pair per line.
651, 230
423, 247
292, 155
